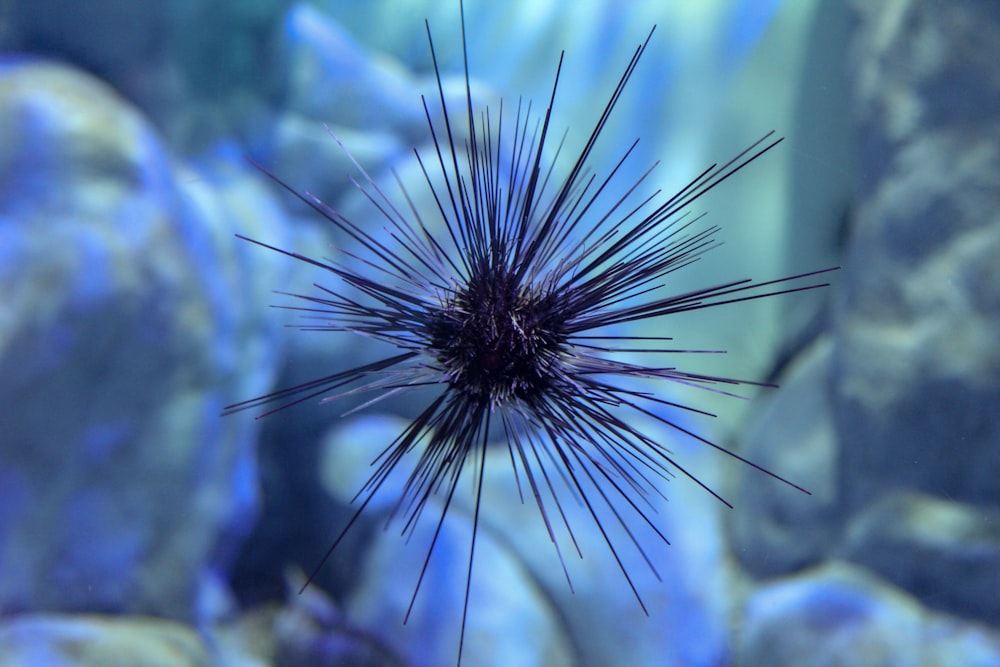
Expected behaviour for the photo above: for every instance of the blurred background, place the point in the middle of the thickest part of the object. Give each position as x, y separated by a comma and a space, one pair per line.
138, 527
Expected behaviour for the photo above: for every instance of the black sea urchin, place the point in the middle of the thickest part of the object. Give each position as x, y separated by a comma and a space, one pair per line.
513, 312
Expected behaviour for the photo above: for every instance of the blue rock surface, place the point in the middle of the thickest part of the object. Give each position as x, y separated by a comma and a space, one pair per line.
127, 324
892, 415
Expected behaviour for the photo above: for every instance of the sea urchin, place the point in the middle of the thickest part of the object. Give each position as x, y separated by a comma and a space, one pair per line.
514, 311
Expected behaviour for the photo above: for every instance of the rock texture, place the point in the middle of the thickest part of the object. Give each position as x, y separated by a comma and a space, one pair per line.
56, 640
917, 358
127, 324
519, 588
892, 416
841, 616
777, 529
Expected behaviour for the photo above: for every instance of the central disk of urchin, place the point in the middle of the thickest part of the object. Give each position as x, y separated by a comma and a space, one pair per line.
498, 340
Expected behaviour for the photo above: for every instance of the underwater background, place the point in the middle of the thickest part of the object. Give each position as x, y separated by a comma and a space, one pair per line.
139, 527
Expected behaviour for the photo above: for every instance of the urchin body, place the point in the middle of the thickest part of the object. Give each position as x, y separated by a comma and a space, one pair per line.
497, 340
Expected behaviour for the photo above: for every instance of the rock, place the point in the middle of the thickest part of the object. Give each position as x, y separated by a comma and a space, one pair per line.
506, 598
129, 320
301, 152
519, 588
312, 630
917, 363
840, 615
59, 640
504, 601
332, 79
777, 529
950, 642
371, 102
686, 625
944, 553
917, 68
836, 616
914, 373
348, 452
